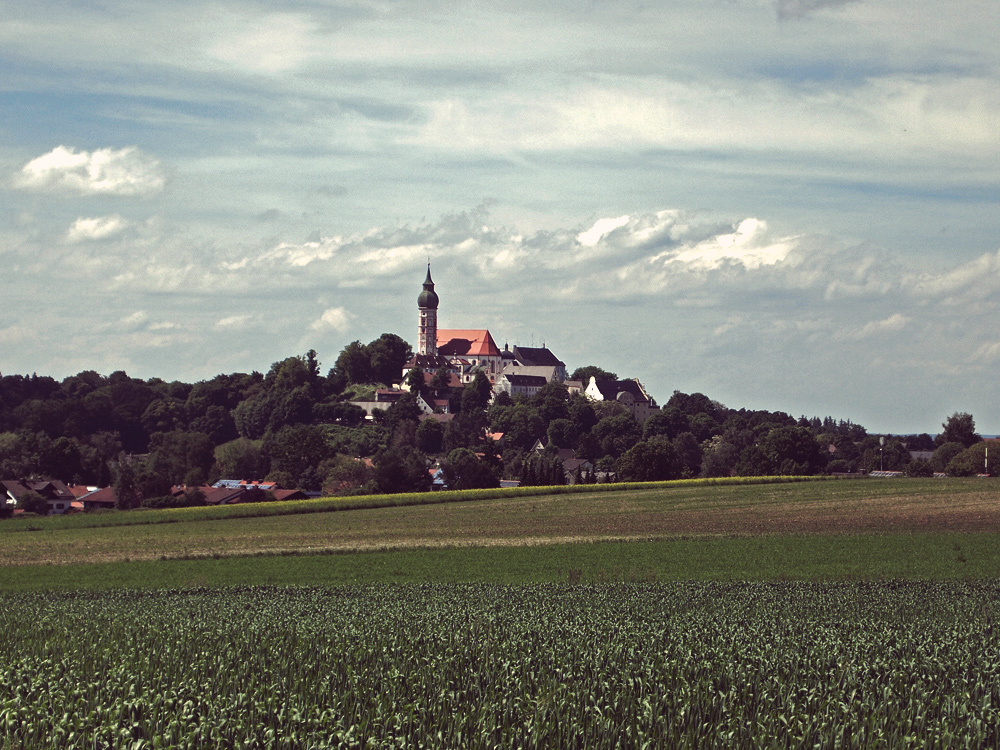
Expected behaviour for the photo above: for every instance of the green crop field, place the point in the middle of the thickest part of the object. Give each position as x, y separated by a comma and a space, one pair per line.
829, 614
683, 665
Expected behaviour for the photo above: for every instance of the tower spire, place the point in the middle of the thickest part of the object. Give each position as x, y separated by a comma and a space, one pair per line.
427, 304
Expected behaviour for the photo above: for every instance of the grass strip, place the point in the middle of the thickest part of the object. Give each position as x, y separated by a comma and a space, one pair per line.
333, 504
932, 556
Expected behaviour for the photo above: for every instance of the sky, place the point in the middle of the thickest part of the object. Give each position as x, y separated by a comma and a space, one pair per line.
782, 204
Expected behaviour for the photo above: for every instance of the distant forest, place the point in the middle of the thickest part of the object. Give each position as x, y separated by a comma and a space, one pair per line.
297, 427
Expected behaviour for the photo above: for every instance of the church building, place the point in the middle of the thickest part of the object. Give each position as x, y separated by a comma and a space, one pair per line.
465, 351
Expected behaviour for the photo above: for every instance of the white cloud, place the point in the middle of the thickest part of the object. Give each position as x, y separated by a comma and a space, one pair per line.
277, 43
750, 246
127, 172
601, 228
97, 228
15, 334
333, 319
233, 321
137, 319
893, 324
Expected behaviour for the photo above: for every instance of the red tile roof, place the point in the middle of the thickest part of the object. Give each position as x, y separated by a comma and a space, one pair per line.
460, 342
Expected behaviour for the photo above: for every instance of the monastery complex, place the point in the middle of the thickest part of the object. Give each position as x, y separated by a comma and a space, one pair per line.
465, 353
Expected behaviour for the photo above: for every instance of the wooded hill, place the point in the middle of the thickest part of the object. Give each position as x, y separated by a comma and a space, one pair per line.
297, 427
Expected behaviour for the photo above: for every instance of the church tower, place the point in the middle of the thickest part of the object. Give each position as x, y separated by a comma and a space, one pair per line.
427, 304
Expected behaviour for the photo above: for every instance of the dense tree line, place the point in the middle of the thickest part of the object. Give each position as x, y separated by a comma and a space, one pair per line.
296, 426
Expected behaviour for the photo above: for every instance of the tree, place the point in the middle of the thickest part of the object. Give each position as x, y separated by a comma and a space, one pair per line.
401, 469
584, 374
617, 433
181, 457
719, 458
463, 470
354, 365
126, 486
892, 456
959, 428
476, 395
542, 470
285, 397
520, 424
32, 502
62, 458
669, 421
971, 461
649, 461
919, 468
791, 451
562, 433
416, 380
242, 459
689, 454
429, 436
943, 455
296, 448
387, 355
339, 412
345, 475
921, 442
441, 381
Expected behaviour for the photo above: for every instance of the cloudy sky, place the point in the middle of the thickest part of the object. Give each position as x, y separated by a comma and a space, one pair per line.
783, 204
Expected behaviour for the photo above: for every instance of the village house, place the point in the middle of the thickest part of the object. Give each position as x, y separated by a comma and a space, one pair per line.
57, 495
628, 393
520, 385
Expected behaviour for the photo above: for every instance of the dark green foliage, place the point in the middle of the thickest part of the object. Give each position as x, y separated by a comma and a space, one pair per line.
293, 450
355, 442
960, 427
178, 456
650, 461
353, 365
563, 433
943, 455
520, 424
584, 374
617, 434
919, 468
387, 355
191, 498
381, 361
791, 451
127, 491
343, 412
242, 459
463, 470
921, 442
973, 460
416, 380
542, 470
892, 456
689, 454
429, 436
401, 469
32, 502
719, 458
669, 422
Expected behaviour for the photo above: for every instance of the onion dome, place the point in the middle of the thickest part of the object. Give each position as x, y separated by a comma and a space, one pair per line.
428, 298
